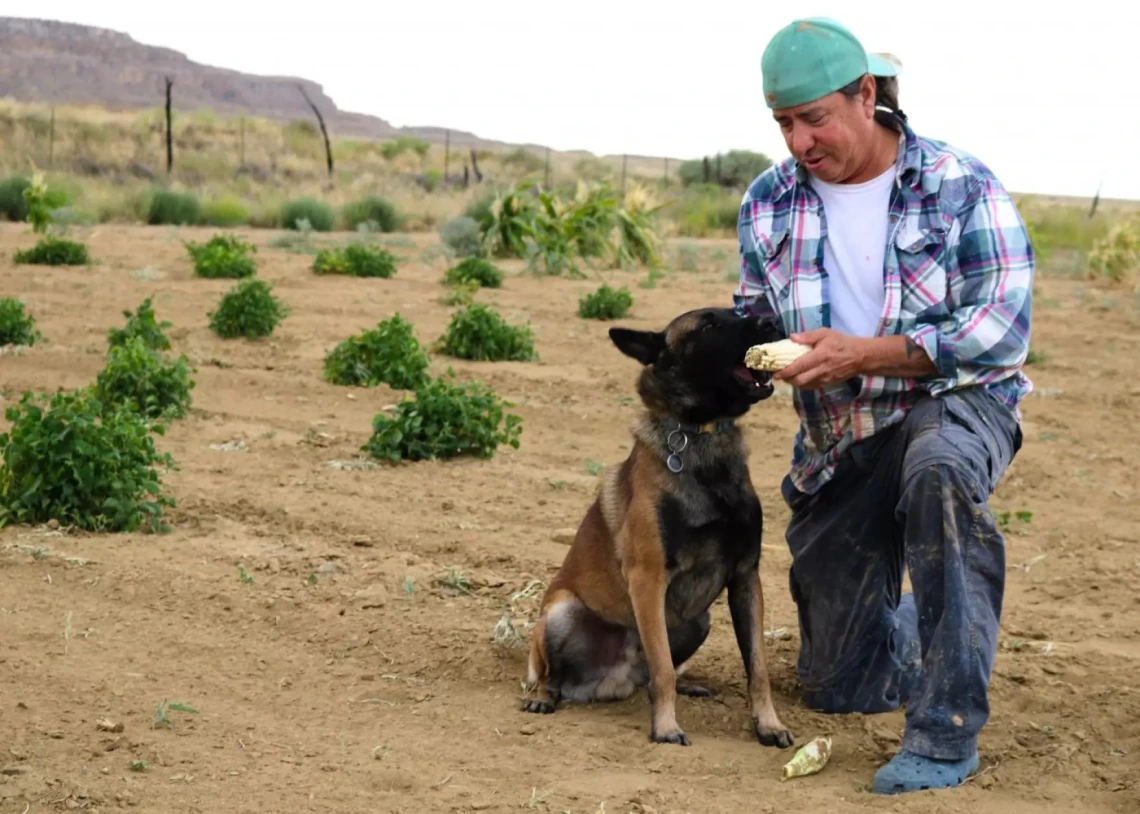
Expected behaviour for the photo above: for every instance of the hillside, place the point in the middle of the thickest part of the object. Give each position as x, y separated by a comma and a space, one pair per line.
53, 62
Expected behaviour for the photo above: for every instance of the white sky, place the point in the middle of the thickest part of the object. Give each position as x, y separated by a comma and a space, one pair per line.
1047, 95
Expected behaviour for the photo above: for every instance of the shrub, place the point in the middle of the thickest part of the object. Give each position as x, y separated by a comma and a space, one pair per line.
42, 202
143, 325
1116, 256
54, 251
226, 212
142, 378
443, 421
223, 256
17, 327
605, 303
735, 169
705, 211
479, 333
82, 463
318, 213
171, 208
249, 309
373, 210
461, 235
356, 260
13, 205
474, 270
388, 353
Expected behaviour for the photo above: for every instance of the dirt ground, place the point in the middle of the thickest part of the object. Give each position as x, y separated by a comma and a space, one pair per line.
349, 677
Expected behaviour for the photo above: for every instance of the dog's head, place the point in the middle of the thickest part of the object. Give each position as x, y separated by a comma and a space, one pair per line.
694, 369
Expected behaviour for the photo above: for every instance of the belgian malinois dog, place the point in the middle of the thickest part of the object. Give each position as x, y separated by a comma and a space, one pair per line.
670, 528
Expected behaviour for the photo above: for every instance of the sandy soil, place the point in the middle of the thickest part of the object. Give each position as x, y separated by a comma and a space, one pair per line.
349, 677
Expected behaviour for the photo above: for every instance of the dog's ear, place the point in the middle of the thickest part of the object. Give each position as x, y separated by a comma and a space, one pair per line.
644, 346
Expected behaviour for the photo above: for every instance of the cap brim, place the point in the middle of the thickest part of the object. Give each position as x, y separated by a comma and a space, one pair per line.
881, 65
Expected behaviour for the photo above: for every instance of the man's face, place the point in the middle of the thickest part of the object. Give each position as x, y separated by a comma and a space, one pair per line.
832, 136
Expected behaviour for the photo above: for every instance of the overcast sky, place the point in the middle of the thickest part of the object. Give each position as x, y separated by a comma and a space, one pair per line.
1048, 97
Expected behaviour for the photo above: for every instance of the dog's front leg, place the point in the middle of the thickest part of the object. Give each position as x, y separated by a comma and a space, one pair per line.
746, 605
647, 584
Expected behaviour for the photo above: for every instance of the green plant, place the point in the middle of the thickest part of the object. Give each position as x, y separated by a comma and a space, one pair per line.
461, 235
54, 251
140, 377
372, 210
356, 260
459, 294
249, 309
223, 256
226, 212
388, 353
142, 324
474, 270
480, 333
81, 463
706, 210
605, 303
17, 327
169, 207
735, 169
1116, 256
42, 202
444, 420
13, 205
318, 213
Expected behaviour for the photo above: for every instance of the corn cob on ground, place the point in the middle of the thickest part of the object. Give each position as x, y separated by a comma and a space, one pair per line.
773, 356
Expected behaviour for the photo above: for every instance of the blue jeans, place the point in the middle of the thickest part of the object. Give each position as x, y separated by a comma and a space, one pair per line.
915, 496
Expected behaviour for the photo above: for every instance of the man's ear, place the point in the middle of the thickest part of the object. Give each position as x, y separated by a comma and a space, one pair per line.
644, 346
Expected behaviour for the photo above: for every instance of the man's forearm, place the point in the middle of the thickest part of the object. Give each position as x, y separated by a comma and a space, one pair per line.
895, 356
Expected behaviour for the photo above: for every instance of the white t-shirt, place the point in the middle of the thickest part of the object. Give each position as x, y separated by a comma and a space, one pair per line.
853, 250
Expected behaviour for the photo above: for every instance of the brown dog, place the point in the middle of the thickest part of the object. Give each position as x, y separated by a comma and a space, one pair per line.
673, 526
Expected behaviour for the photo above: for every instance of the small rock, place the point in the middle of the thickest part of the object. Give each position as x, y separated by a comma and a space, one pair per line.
53, 524
13, 769
528, 729
564, 536
329, 567
447, 505
987, 781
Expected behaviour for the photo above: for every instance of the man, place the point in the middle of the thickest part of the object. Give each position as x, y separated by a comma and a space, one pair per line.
905, 266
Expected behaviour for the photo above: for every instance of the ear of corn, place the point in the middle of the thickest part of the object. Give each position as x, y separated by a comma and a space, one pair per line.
810, 758
773, 356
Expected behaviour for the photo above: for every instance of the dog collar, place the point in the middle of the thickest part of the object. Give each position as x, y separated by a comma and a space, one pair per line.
678, 438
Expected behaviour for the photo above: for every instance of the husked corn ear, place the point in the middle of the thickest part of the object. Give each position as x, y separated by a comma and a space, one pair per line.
774, 355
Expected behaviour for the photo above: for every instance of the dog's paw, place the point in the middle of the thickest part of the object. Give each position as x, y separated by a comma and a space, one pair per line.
778, 735
676, 737
694, 691
538, 705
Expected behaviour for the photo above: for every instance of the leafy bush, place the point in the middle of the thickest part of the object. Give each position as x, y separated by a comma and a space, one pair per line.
223, 256
169, 207
706, 211
388, 353
480, 333
82, 463
13, 205
226, 212
42, 202
145, 380
356, 260
17, 327
443, 421
735, 169
605, 303
249, 309
143, 325
54, 251
461, 235
474, 270
459, 294
318, 213
1116, 256
372, 209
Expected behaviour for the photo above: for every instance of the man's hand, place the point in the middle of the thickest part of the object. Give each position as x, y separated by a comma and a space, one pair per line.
834, 357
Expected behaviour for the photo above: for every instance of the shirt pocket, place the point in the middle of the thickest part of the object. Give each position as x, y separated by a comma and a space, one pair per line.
922, 259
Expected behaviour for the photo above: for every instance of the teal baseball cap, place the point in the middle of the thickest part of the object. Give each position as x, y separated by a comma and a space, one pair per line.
812, 57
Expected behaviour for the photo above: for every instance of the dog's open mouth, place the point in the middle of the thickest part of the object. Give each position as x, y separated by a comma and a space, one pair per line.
753, 380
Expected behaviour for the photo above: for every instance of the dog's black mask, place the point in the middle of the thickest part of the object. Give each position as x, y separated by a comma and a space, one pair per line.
694, 369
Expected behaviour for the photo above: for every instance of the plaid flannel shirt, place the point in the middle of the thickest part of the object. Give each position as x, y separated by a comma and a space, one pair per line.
958, 276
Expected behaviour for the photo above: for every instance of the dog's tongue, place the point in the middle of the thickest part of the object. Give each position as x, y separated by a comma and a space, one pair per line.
744, 374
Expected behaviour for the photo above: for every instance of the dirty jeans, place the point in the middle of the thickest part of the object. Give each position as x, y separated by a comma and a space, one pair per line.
914, 495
